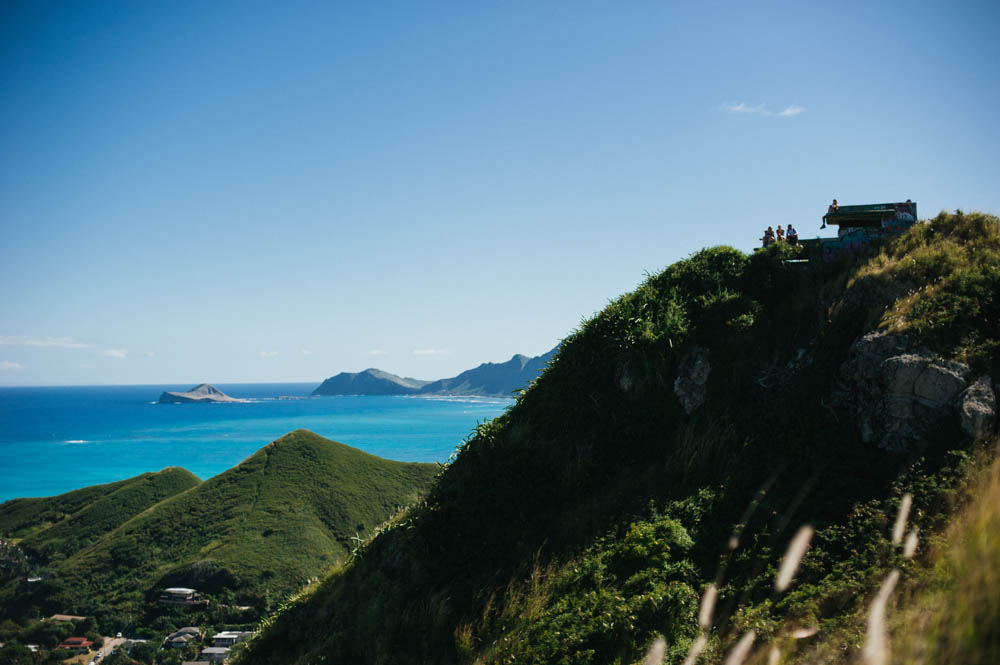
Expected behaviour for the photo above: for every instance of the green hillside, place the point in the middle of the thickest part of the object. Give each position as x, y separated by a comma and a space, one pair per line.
680, 438
250, 535
65, 523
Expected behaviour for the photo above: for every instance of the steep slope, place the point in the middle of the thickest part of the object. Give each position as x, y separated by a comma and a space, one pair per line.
67, 522
680, 437
256, 531
369, 382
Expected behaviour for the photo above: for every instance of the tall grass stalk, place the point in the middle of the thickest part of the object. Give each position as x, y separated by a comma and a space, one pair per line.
742, 649
707, 607
696, 648
656, 652
910, 546
876, 649
796, 549
904, 513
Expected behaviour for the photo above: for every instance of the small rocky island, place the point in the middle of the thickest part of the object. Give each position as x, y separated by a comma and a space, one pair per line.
202, 393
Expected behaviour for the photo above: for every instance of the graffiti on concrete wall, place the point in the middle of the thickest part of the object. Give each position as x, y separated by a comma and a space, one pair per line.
851, 239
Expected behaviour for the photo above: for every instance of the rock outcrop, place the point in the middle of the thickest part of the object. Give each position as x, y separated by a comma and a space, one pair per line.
897, 391
978, 408
199, 394
691, 385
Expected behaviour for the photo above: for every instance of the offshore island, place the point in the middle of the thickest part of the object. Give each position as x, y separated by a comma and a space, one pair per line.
202, 393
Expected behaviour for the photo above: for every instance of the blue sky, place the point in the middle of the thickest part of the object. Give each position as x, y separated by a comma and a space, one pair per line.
243, 191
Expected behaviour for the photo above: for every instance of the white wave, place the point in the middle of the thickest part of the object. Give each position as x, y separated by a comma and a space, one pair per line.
76, 441
464, 399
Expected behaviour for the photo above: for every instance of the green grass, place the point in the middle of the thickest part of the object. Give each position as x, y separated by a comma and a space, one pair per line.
952, 615
107, 512
89, 507
951, 264
541, 506
251, 535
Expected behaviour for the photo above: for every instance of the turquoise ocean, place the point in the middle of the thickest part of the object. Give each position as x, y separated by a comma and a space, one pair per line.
53, 440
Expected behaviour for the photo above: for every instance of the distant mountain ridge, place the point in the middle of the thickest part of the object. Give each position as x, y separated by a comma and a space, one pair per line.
369, 382
486, 380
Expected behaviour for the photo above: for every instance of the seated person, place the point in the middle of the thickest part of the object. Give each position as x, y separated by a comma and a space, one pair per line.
792, 235
781, 233
768, 236
834, 207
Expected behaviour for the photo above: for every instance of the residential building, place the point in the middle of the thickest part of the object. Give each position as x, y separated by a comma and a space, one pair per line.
228, 638
214, 654
182, 596
77, 645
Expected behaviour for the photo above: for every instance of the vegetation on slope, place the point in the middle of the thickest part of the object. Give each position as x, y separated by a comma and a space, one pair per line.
88, 511
589, 518
106, 513
250, 535
952, 613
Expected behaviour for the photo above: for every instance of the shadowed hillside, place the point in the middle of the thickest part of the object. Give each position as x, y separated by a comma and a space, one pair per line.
680, 438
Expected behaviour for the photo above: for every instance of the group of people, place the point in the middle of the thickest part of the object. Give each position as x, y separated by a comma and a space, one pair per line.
771, 236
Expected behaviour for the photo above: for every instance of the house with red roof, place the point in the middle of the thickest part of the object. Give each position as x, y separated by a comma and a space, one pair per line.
77, 645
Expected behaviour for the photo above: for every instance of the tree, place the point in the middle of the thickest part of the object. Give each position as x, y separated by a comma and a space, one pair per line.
145, 652
16, 654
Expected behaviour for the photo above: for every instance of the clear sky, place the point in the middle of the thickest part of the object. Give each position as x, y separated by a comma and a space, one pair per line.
269, 191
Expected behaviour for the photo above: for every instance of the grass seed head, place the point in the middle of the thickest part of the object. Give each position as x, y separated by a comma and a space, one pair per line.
876, 649
904, 513
656, 652
707, 607
696, 648
910, 546
741, 650
796, 550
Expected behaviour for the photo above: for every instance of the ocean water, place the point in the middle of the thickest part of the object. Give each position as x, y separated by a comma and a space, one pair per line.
53, 440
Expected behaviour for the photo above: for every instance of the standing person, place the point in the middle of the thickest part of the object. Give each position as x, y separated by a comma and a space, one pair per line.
834, 207
781, 233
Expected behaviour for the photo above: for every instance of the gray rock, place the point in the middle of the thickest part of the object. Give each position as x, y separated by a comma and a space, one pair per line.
691, 385
900, 373
978, 408
938, 384
896, 391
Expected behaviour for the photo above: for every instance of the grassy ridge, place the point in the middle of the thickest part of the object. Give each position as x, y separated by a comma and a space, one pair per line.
596, 490
70, 520
251, 534
108, 512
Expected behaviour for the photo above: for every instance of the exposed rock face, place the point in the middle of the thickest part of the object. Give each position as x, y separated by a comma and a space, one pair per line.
691, 384
978, 408
200, 393
897, 391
